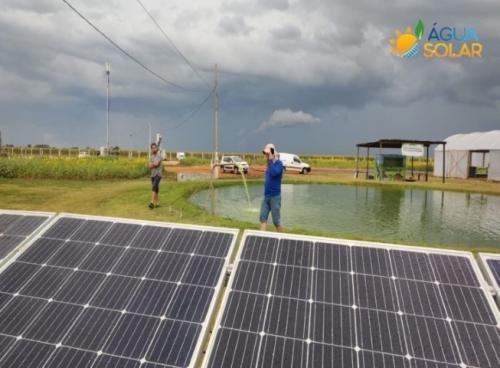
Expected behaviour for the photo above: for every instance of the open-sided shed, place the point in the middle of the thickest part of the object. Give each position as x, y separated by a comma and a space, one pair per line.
397, 144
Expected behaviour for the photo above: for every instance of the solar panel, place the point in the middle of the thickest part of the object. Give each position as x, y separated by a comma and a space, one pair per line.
296, 301
490, 264
100, 292
16, 227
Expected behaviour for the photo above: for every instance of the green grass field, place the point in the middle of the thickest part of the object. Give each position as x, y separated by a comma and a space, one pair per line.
89, 168
129, 199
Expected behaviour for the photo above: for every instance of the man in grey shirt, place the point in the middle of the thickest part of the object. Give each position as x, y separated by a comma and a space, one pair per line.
156, 167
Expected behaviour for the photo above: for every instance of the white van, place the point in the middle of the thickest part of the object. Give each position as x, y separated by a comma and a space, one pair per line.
293, 162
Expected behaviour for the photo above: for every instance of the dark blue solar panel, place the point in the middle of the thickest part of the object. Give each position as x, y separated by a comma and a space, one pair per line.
110, 295
294, 303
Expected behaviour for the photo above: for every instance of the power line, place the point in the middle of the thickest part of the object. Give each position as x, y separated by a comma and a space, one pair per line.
191, 113
127, 54
195, 70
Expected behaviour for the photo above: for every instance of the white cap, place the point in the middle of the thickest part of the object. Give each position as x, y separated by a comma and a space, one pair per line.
268, 147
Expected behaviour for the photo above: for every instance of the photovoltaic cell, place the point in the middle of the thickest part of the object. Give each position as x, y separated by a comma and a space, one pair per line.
64, 228
131, 336
25, 225
40, 251
67, 357
298, 303
15, 228
27, 354
17, 315
108, 361
51, 324
8, 243
91, 231
494, 265
120, 234
101, 259
101, 293
491, 266
152, 298
174, 343
6, 220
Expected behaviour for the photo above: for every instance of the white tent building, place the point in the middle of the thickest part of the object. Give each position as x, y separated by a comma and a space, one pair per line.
470, 155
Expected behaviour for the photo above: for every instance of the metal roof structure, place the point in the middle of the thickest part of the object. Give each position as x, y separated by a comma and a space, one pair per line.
397, 143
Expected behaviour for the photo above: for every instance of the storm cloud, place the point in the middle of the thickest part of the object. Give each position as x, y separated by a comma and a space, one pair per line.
329, 60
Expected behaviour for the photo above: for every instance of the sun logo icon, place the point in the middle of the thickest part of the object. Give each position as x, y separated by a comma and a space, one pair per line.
407, 44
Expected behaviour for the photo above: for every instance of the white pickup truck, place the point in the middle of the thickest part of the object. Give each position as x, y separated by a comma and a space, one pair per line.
293, 162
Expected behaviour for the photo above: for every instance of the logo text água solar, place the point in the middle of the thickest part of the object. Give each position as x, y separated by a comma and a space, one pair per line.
441, 42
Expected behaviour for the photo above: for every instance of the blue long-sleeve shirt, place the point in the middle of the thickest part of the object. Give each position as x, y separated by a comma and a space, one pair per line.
274, 173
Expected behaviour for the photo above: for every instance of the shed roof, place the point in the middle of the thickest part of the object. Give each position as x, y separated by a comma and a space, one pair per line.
480, 141
396, 143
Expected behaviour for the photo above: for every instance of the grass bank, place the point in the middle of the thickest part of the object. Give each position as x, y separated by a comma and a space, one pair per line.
129, 198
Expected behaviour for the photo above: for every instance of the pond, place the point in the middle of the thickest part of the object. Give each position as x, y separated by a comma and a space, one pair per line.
431, 217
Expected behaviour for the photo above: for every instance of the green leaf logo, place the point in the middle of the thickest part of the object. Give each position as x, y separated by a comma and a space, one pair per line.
419, 29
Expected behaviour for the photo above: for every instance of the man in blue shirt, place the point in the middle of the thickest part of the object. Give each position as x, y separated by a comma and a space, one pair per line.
272, 189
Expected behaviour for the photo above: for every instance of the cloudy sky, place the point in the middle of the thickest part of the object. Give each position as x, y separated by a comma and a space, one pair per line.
308, 75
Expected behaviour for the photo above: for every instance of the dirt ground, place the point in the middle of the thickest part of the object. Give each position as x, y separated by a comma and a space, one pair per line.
255, 172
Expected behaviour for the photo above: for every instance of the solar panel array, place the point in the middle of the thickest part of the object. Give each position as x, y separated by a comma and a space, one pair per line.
15, 227
105, 294
297, 302
491, 266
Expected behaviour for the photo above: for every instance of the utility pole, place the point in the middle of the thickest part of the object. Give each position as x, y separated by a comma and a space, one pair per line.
149, 141
215, 159
108, 72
